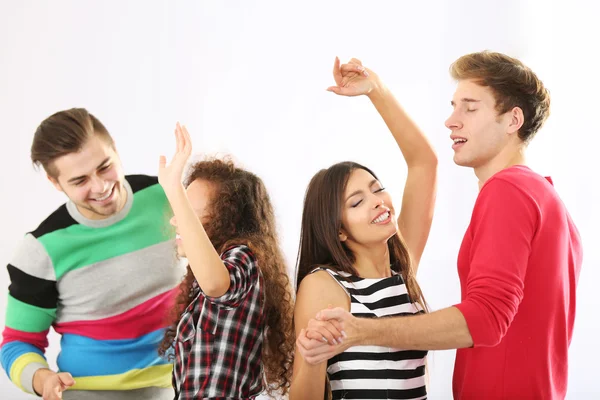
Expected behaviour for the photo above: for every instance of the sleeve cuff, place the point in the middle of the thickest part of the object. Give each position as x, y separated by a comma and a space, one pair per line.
470, 312
27, 376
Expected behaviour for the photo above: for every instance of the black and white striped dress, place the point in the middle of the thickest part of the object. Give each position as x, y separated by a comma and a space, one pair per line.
375, 372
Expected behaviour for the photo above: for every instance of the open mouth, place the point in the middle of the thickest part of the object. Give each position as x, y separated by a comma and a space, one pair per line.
383, 218
106, 198
458, 142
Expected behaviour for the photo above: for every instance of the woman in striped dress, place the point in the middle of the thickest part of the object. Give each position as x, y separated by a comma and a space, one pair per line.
356, 252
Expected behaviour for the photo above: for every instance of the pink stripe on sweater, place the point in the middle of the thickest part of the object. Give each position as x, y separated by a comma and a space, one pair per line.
147, 317
38, 339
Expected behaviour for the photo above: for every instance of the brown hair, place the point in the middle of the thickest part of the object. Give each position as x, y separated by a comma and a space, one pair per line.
241, 213
63, 133
321, 223
512, 83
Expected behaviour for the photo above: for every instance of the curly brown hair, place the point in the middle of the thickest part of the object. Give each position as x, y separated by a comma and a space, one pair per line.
245, 216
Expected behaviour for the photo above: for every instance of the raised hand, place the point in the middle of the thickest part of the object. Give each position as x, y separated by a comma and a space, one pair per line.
352, 79
170, 177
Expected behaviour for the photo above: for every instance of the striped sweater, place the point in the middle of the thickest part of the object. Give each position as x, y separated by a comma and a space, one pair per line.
105, 285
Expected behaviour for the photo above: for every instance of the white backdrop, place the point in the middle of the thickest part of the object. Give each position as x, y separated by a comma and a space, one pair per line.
249, 78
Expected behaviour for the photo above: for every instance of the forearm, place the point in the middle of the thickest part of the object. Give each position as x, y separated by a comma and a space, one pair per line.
441, 330
413, 144
206, 264
308, 382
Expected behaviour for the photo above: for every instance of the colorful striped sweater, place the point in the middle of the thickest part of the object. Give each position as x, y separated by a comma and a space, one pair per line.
105, 285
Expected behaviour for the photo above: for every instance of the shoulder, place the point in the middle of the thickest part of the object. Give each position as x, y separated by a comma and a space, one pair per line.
508, 189
239, 253
321, 289
140, 182
517, 181
59, 219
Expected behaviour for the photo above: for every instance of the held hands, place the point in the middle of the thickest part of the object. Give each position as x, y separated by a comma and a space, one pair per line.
170, 176
330, 333
352, 79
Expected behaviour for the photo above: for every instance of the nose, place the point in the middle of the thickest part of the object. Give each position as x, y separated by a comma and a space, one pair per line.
378, 202
173, 221
453, 122
98, 185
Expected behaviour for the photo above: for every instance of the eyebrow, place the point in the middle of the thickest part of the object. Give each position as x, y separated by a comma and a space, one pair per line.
359, 191
77, 178
465, 100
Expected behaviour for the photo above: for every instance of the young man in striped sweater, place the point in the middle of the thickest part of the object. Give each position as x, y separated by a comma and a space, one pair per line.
101, 270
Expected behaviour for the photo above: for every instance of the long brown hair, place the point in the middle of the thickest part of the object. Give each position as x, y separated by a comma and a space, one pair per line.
319, 235
241, 213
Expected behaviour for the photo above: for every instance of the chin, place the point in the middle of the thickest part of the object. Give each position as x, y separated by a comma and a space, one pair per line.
461, 163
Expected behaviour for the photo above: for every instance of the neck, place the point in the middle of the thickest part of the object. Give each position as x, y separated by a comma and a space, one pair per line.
373, 261
508, 157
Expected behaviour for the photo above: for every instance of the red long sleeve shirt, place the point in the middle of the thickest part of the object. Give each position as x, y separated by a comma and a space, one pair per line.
518, 265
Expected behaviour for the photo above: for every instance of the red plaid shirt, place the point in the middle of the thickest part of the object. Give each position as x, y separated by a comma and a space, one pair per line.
219, 340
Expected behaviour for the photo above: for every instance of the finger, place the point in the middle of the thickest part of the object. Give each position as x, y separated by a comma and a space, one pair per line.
334, 328
315, 334
162, 162
188, 140
341, 91
179, 138
337, 313
347, 68
309, 344
326, 326
337, 74
66, 379
316, 354
311, 348
56, 394
355, 61
326, 334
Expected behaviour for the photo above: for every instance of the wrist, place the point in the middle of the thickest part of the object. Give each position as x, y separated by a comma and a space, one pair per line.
175, 191
378, 90
39, 377
363, 332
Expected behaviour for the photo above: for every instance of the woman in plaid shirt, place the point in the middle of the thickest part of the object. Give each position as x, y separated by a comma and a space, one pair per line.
230, 336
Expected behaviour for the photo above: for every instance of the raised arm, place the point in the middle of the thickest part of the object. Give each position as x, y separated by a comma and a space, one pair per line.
416, 214
206, 264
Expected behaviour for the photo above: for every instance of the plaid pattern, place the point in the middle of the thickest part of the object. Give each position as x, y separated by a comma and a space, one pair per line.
219, 340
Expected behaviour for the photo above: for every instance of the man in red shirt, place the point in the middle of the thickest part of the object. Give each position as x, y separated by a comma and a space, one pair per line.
519, 261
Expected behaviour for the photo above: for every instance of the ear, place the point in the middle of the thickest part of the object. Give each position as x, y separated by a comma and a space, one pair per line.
54, 181
516, 120
343, 237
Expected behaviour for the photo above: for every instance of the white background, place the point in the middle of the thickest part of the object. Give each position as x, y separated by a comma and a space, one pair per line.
249, 78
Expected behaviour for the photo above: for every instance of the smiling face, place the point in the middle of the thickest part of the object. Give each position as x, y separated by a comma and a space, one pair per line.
92, 178
368, 216
479, 134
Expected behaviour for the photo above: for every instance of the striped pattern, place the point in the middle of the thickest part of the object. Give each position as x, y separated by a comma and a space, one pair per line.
106, 286
375, 372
